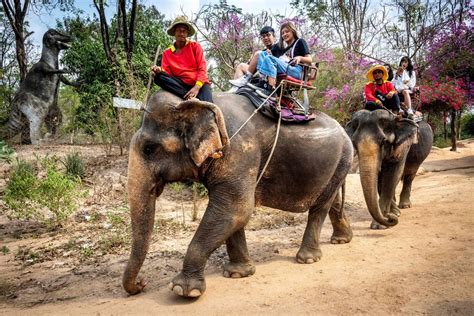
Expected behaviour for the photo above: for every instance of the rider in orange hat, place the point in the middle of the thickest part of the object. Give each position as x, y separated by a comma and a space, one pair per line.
380, 93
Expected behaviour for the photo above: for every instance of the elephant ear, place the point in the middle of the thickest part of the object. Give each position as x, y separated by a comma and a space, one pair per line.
353, 124
406, 134
204, 129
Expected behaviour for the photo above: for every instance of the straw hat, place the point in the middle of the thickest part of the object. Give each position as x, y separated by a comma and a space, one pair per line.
370, 75
181, 20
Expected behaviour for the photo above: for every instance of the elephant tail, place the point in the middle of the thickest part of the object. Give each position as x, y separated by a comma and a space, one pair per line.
16, 124
343, 192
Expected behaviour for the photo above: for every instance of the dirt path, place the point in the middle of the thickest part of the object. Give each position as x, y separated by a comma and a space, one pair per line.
425, 265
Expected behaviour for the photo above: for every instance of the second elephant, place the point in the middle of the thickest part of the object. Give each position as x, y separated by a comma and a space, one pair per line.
389, 149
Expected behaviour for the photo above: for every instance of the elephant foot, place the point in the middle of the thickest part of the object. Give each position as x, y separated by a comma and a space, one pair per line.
136, 287
308, 256
342, 232
238, 270
404, 204
396, 211
341, 238
377, 225
187, 287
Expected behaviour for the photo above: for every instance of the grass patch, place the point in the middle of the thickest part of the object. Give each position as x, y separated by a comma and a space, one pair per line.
74, 166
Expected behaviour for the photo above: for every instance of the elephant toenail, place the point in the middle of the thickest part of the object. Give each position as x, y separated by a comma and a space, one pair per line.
178, 290
309, 260
195, 293
236, 275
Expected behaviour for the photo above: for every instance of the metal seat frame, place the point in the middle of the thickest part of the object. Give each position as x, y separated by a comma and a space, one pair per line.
293, 86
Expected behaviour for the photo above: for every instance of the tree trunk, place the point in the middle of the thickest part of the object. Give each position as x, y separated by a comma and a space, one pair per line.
458, 126
21, 56
104, 30
445, 126
453, 130
16, 16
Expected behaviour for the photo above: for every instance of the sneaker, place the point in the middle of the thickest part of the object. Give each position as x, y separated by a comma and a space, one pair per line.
410, 111
242, 81
232, 90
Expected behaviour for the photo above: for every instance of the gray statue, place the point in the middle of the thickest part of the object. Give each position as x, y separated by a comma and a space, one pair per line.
36, 99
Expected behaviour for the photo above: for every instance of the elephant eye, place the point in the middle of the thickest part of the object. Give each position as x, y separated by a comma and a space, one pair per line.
149, 149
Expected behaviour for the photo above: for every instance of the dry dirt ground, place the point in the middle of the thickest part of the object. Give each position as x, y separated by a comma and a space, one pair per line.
424, 265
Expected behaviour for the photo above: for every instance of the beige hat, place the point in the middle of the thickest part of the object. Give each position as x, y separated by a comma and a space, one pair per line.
370, 74
181, 20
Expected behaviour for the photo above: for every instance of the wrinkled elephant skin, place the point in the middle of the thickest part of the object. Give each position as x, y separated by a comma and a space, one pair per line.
175, 143
389, 149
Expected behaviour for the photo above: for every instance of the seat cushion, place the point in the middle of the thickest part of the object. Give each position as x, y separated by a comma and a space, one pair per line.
292, 80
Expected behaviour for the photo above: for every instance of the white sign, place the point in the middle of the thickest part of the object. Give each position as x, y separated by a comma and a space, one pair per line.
127, 103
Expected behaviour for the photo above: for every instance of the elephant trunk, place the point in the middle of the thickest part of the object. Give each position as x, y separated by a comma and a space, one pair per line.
369, 170
142, 193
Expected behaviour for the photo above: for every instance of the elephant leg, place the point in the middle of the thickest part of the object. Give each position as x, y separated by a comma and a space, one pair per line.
406, 190
142, 227
240, 264
394, 207
219, 223
310, 251
342, 232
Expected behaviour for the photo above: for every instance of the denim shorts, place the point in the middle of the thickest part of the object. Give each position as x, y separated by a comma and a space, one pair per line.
270, 66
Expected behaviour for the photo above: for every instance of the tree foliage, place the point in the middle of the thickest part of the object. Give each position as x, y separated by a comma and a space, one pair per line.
230, 37
111, 57
8, 68
102, 77
449, 62
347, 22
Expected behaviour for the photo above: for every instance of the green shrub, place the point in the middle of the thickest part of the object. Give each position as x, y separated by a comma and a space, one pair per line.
178, 187
29, 195
6, 152
440, 142
57, 193
21, 190
467, 125
74, 166
5, 250
200, 189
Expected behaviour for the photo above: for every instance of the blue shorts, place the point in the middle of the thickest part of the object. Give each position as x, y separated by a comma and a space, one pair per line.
270, 66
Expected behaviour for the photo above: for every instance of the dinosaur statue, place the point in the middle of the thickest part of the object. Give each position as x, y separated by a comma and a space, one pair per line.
36, 99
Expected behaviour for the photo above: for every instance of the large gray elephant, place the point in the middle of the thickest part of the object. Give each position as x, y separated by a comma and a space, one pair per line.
389, 149
181, 140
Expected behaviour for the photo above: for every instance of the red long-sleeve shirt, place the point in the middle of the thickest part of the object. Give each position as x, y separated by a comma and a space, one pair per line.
188, 64
384, 88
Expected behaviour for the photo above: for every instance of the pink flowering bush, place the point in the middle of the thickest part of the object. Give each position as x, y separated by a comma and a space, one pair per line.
444, 96
448, 77
340, 83
229, 37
